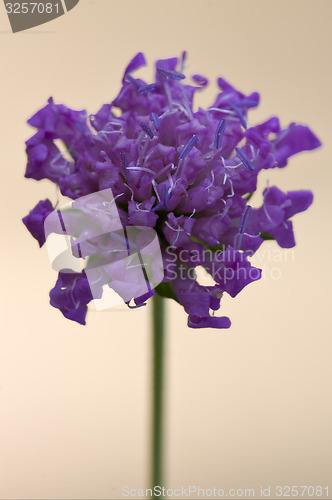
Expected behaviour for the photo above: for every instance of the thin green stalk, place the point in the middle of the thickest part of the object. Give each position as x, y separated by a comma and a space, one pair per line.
158, 329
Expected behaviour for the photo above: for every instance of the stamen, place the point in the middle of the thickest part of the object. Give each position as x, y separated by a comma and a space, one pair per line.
212, 181
226, 111
124, 162
245, 160
164, 203
155, 119
264, 207
123, 240
168, 93
134, 266
140, 138
165, 196
225, 211
108, 132
219, 133
108, 203
118, 196
105, 156
144, 169
185, 108
158, 174
168, 112
154, 184
146, 89
147, 130
148, 156
244, 219
186, 105
177, 230
252, 235
56, 168
141, 209
229, 166
247, 104
188, 147
134, 81
238, 241
183, 60
169, 73
76, 302
232, 189
142, 149
170, 178
115, 123
200, 79
239, 114
209, 154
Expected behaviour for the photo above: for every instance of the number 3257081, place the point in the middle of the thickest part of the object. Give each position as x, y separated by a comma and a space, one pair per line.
32, 7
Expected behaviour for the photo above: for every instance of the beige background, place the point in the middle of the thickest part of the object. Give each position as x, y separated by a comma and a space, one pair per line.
246, 407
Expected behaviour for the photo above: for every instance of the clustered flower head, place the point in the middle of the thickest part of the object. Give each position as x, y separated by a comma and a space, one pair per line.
188, 174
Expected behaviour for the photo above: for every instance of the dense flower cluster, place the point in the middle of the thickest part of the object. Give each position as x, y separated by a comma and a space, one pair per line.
188, 174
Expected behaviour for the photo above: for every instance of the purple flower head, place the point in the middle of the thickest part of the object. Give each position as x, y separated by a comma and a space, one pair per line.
186, 173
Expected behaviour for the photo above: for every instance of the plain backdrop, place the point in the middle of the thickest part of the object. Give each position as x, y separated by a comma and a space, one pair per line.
245, 407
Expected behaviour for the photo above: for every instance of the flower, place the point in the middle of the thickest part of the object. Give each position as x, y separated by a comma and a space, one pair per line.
186, 173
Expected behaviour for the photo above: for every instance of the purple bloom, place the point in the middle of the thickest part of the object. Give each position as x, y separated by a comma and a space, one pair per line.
186, 173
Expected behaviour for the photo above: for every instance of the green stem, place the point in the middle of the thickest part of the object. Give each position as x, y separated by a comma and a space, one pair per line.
158, 328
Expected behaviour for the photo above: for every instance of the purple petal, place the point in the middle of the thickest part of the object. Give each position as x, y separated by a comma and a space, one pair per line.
200, 79
137, 62
208, 322
300, 201
294, 139
34, 221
